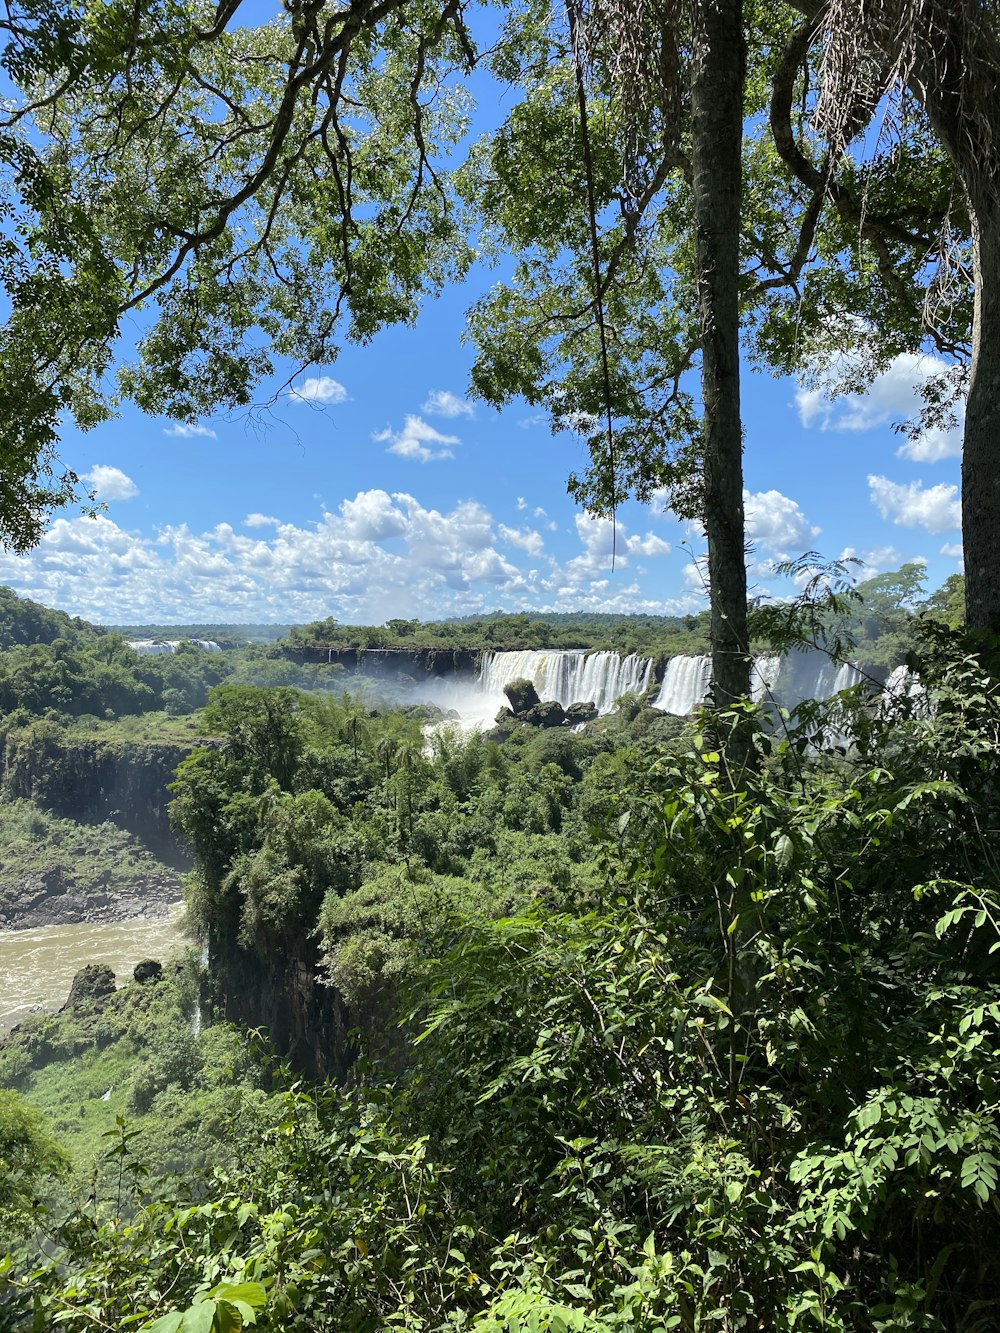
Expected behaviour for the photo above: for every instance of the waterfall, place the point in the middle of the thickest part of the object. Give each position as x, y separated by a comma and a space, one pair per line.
834, 677
685, 685
152, 647
764, 671
569, 677
687, 680
905, 684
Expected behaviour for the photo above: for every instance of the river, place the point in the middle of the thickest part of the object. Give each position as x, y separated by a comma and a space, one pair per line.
37, 966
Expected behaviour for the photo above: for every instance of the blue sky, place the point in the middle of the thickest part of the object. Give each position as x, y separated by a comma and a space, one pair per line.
380, 490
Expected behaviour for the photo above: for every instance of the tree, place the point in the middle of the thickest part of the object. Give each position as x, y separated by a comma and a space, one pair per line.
247, 191
30, 1159
942, 56
160, 166
717, 174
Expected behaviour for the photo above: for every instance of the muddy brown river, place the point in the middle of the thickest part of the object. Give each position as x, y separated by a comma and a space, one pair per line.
37, 966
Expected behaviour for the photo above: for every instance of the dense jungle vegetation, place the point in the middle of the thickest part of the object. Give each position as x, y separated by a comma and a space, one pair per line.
672, 1055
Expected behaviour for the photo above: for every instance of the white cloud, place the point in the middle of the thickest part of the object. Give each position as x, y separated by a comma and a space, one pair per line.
376, 555
696, 576
443, 403
525, 539
413, 441
318, 389
187, 430
522, 502
953, 550
659, 502
893, 397
372, 516
110, 483
876, 560
777, 524
650, 544
935, 508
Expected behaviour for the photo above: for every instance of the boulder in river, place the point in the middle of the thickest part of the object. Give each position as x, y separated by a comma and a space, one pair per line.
93, 984
577, 713
522, 696
549, 714
149, 970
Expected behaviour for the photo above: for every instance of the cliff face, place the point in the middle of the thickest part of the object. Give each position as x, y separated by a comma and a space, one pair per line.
416, 663
308, 1024
96, 780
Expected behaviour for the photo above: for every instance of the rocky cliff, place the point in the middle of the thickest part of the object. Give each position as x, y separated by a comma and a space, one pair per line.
97, 780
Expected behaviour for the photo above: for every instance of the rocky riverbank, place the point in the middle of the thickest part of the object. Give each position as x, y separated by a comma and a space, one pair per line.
54, 897
59, 872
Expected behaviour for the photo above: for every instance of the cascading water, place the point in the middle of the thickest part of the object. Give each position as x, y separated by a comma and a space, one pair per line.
569, 677
153, 647
687, 680
685, 685
764, 672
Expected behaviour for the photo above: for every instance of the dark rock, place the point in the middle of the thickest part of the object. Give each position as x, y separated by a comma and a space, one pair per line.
148, 970
504, 717
577, 713
549, 714
522, 696
93, 984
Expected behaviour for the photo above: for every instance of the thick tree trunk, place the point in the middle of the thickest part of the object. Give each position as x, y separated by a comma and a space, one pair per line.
981, 459
716, 150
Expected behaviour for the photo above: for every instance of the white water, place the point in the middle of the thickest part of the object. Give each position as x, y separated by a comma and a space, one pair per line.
152, 647
567, 677
764, 676
37, 967
687, 680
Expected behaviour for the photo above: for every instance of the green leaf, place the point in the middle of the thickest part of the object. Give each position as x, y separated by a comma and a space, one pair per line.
250, 1293
869, 1115
198, 1318
167, 1323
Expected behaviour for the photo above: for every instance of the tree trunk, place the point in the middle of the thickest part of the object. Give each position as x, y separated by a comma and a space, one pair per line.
981, 458
716, 150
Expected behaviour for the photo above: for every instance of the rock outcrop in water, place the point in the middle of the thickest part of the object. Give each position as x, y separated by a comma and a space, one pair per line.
92, 985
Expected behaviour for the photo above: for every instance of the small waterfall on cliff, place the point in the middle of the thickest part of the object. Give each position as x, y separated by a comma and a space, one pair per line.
685, 684
569, 677
764, 672
687, 680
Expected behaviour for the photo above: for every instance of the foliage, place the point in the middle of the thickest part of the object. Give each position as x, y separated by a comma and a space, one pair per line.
753, 1085
30, 1158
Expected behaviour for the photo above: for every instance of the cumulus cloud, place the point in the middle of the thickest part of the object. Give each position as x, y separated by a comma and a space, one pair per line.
777, 524
893, 396
443, 403
416, 441
378, 554
935, 508
110, 483
187, 430
525, 539
602, 541
318, 389
650, 544
953, 550
876, 560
